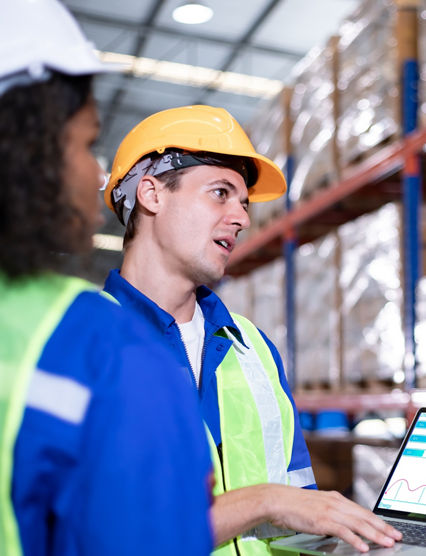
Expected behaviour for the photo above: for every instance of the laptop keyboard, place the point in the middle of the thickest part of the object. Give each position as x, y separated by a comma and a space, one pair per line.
412, 533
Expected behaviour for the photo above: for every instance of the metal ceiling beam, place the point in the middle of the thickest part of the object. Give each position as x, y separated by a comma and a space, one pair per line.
137, 49
144, 29
242, 43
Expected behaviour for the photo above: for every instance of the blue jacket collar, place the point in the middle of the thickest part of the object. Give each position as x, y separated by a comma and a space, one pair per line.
215, 313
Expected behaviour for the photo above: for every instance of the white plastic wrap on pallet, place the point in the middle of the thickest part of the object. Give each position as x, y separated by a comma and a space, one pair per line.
370, 281
368, 79
420, 329
371, 466
236, 295
268, 290
315, 312
313, 128
267, 136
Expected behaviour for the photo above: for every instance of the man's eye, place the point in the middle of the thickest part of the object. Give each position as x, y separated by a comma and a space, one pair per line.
221, 193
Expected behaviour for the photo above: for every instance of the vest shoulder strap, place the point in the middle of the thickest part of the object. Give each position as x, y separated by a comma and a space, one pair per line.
29, 312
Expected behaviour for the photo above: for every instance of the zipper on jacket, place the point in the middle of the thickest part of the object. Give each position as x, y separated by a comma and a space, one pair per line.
187, 357
203, 354
219, 447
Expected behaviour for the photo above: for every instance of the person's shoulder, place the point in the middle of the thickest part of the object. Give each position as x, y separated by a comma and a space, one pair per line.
97, 336
90, 338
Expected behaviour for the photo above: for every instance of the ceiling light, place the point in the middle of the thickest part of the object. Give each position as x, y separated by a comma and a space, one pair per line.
194, 76
108, 242
192, 13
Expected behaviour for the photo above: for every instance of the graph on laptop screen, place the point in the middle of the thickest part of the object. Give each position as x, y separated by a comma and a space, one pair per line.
406, 489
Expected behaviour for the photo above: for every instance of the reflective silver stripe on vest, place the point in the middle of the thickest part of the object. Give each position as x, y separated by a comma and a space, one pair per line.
270, 419
267, 408
265, 531
59, 396
301, 477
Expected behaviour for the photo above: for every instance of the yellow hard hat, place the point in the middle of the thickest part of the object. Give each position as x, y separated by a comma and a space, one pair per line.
195, 128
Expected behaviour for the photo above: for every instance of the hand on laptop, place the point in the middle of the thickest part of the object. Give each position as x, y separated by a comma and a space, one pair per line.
328, 513
302, 510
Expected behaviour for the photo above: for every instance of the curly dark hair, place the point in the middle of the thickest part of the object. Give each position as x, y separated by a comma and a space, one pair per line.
36, 221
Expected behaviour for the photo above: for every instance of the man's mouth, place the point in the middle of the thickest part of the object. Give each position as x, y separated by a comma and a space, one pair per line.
225, 244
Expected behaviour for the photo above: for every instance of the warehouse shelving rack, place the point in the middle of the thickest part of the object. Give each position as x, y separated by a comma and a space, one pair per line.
363, 188
394, 172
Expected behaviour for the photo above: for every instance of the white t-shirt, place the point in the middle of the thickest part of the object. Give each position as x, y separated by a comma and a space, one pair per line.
192, 333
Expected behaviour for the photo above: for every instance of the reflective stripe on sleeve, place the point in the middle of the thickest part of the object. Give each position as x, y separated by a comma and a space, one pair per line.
59, 396
301, 477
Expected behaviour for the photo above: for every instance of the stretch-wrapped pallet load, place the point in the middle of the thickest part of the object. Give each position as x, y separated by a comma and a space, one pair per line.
420, 330
316, 276
371, 465
268, 135
370, 280
268, 295
313, 122
236, 293
368, 79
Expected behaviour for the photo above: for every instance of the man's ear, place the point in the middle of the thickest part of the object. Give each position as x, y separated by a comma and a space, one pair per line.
147, 193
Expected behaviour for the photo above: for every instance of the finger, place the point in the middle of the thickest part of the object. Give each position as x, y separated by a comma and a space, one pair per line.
370, 532
379, 525
386, 528
376, 532
350, 537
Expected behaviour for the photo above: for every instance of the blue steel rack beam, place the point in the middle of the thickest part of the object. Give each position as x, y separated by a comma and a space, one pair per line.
387, 162
407, 39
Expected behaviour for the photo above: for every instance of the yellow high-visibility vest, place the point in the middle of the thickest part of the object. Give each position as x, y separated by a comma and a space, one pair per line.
30, 310
257, 429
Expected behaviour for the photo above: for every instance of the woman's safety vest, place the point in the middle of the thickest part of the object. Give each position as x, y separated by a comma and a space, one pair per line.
257, 429
30, 310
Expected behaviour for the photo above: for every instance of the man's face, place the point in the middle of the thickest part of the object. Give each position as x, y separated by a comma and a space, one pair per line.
82, 173
198, 223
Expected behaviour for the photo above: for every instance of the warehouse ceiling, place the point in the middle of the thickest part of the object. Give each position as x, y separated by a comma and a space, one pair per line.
260, 38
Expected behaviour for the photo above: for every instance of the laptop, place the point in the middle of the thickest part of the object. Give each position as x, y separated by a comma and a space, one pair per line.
402, 502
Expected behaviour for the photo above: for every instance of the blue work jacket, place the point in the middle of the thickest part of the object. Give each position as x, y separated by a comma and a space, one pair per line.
162, 326
119, 481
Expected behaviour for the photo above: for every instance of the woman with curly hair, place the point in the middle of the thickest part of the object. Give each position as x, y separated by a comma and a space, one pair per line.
89, 463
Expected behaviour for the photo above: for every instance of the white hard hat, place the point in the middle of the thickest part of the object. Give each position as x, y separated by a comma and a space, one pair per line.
38, 36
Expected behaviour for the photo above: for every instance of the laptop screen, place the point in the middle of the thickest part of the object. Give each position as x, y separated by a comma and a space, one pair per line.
404, 493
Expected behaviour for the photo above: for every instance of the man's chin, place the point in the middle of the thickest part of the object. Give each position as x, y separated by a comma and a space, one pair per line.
212, 278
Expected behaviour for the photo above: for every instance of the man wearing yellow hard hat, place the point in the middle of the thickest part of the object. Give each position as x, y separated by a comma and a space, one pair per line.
181, 183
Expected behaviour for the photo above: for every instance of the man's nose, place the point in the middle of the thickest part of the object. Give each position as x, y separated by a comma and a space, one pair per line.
238, 216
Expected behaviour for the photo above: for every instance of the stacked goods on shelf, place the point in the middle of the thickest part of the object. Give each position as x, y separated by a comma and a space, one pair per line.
368, 79
236, 294
267, 133
268, 310
316, 278
371, 465
420, 330
351, 277
345, 101
312, 114
259, 296
373, 344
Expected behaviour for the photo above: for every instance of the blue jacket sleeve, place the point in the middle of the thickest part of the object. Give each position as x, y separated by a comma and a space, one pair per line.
300, 469
131, 476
